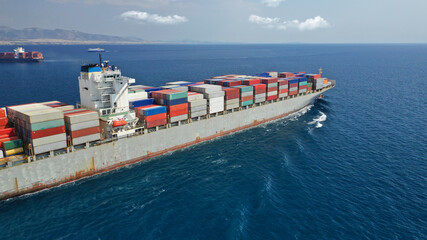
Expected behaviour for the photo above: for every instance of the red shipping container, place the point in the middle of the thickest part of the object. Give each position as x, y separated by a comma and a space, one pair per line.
269, 80
309, 88
292, 85
271, 89
156, 123
85, 132
247, 98
47, 132
260, 91
283, 82
155, 117
251, 81
2, 113
8, 131
303, 87
232, 83
271, 97
293, 93
2, 140
283, 91
3, 121
260, 86
177, 107
178, 112
232, 96
286, 74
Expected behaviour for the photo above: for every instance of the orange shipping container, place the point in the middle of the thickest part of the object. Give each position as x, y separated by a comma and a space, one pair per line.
85, 132
2, 113
155, 117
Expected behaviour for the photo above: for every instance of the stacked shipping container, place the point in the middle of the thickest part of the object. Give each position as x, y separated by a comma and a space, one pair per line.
82, 125
271, 87
197, 105
176, 103
214, 96
246, 94
302, 85
283, 87
231, 98
39, 125
152, 115
293, 86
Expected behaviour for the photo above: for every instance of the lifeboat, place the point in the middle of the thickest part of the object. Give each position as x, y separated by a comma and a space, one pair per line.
119, 123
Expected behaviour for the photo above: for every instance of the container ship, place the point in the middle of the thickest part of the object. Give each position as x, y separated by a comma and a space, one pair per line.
19, 55
118, 123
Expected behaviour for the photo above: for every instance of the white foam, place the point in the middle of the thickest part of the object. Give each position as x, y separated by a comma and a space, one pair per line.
318, 120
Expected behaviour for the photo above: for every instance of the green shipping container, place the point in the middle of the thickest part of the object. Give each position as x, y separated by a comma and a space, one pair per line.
246, 103
309, 84
302, 83
247, 89
12, 144
178, 95
47, 124
271, 85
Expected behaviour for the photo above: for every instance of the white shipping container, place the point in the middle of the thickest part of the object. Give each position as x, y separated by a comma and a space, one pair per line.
216, 100
178, 118
258, 100
232, 101
293, 89
195, 97
84, 139
198, 113
42, 115
303, 90
178, 83
137, 96
1, 154
49, 139
81, 117
206, 88
198, 102
82, 125
283, 87
216, 109
261, 95
198, 108
271, 93
50, 147
214, 94
283, 95
231, 106
245, 94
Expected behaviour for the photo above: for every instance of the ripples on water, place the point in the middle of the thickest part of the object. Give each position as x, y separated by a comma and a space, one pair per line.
351, 166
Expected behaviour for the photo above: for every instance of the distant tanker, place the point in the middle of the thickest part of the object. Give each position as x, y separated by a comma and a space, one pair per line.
19, 55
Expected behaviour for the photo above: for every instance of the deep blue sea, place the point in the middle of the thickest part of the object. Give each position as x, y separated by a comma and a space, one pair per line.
352, 166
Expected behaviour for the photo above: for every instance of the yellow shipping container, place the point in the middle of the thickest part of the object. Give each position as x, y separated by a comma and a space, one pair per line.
14, 151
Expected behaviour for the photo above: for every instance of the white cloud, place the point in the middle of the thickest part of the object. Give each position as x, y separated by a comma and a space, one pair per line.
153, 18
272, 3
276, 23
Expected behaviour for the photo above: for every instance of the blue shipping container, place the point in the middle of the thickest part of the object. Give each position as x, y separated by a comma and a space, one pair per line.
153, 110
140, 103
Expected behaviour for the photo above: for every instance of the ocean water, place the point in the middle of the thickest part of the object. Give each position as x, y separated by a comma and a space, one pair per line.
351, 166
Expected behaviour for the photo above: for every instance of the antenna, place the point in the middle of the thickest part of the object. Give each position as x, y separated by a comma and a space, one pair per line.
320, 69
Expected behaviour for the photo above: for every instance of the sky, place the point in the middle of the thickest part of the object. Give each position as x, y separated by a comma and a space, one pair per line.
229, 21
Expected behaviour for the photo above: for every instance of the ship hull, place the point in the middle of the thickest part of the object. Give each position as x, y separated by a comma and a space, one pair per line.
45, 173
20, 60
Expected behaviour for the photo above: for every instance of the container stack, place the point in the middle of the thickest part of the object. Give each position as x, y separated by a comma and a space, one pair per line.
260, 92
246, 94
175, 101
10, 144
273, 74
309, 86
197, 105
214, 96
152, 115
39, 125
231, 83
293, 86
318, 83
82, 125
302, 85
271, 87
283, 87
232, 98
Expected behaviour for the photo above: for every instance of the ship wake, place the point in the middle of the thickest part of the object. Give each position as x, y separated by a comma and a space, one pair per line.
318, 120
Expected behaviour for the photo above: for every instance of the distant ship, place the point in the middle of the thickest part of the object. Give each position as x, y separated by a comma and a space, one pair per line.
96, 50
19, 55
